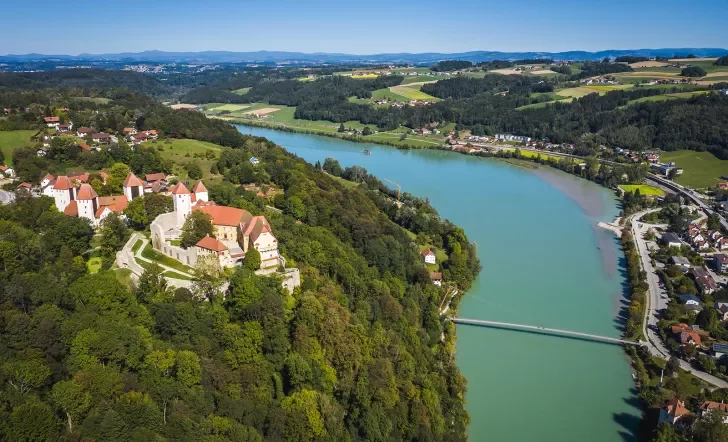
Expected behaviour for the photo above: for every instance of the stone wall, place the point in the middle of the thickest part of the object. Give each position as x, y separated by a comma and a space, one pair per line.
162, 224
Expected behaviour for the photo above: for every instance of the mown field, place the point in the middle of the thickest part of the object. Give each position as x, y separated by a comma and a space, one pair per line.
182, 151
701, 169
643, 188
11, 140
412, 92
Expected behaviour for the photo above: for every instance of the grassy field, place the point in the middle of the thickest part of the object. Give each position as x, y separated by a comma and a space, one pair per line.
183, 151
97, 100
420, 78
412, 92
643, 188
701, 169
94, 264
241, 91
152, 255
11, 140
231, 107
124, 276
386, 93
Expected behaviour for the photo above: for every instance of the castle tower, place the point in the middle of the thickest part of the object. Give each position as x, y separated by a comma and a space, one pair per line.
63, 192
200, 191
182, 203
88, 202
133, 187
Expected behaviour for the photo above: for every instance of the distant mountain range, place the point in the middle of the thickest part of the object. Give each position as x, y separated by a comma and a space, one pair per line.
320, 57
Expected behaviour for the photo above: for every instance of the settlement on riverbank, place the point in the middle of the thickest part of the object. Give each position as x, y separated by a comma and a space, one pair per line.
544, 263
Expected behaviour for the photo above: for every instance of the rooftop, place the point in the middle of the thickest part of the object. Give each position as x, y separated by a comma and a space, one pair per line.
211, 243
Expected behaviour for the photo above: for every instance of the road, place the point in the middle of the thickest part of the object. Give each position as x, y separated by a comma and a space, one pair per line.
6, 197
657, 301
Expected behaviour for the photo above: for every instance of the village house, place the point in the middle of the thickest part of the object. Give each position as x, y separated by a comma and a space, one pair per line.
671, 240
436, 278
681, 262
254, 161
719, 350
722, 308
83, 131
720, 262
671, 411
429, 256
708, 407
7, 171
101, 138
705, 283
52, 121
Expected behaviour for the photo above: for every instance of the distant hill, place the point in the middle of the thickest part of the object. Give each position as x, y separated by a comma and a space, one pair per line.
404, 57
84, 78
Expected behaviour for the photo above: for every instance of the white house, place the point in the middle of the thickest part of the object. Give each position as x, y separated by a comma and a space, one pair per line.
133, 187
52, 121
429, 256
63, 192
254, 161
714, 407
8, 171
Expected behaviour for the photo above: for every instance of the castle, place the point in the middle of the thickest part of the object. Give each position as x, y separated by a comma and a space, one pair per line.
83, 201
235, 231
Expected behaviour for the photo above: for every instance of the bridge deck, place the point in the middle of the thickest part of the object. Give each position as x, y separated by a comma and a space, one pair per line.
545, 330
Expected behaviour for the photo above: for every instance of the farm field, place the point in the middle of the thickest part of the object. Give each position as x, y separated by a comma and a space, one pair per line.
700, 169
643, 188
420, 79
412, 92
241, 91
97, 100
648, 64
11, 140
387, 93
231, 107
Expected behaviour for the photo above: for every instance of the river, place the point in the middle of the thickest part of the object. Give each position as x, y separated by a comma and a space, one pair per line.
544, 263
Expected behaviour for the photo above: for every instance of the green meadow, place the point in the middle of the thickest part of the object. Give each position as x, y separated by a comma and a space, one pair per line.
700, 169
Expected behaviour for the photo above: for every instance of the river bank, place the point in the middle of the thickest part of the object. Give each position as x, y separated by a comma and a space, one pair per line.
572, 277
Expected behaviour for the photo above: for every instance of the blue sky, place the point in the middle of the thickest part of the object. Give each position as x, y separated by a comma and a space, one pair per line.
359, 27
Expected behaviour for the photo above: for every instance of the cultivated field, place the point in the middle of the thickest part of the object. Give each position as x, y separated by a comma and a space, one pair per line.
693, 59
543, 72
648, 64
241, 91
263, 111
701, 169
412, 92
231, 107
11, 140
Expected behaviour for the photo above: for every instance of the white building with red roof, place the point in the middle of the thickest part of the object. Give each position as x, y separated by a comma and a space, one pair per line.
133, 187
83, 201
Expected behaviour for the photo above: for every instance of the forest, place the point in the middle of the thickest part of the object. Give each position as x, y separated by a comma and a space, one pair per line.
83, 78
356, 353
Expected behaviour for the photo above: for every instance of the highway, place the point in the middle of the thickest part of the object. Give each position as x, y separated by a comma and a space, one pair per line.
657, 302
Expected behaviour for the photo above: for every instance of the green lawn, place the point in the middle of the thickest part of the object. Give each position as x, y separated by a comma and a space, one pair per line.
176, 275
97, 100
152, 255
241, 91
701, 169
94, 264
13, 139
182, 151
136, 246
643, 188
420, 78
124, 276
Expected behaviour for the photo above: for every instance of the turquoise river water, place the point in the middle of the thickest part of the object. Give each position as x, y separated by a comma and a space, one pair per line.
544, 263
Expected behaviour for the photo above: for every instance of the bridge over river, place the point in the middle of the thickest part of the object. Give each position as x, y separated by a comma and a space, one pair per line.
546, 331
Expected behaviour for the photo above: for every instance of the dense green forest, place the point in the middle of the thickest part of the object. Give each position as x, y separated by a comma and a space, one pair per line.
451, 65
84, 78
354, 354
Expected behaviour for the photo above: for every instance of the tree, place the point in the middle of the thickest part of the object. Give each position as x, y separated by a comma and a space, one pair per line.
252, 259
27, 372
693, 71
673, 366
366, 131
136, 214
72, 399
194, 171
32, 421
665, 432
295, 207
197, 225
710, 428
722, 61
152, 285
713, 221
303, 418
117, 175
209, 278
114, 234
342, 128
332, 167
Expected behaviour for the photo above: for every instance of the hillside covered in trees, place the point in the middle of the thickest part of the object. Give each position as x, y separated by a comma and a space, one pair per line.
356, 353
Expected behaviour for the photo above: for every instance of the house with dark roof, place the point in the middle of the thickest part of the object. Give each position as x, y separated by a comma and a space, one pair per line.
720, 262
436, 278
704, 281
671, 240
719, 350
681, 262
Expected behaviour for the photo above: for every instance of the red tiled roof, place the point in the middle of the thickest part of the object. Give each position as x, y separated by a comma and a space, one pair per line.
435, 276
100, 211
199, 187
710, 405
3, 167
211, 243
84, 146
687, 336
51, 119
180, 189
128, 129
62, 183
49, 177
71, 209
132, 181
427, 252
78, 176
222, 215
155, 177
26, 185
84, 130
675, 407
116, 203
86, 192
100, 136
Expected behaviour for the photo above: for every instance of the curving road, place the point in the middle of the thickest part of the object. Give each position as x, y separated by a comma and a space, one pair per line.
657, 301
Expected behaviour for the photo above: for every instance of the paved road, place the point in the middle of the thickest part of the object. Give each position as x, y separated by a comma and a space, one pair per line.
657, 301
6, 197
